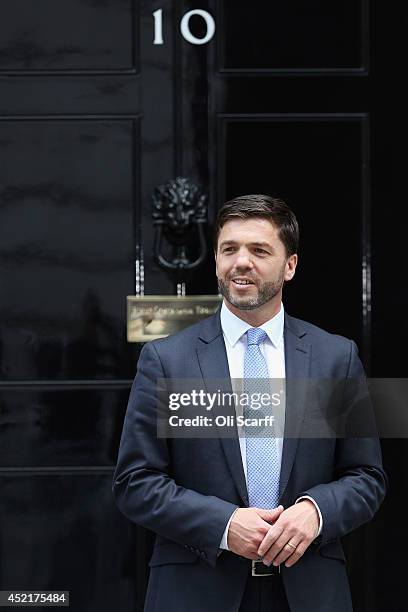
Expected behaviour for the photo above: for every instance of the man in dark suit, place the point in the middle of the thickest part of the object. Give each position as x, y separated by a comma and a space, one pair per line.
248, 523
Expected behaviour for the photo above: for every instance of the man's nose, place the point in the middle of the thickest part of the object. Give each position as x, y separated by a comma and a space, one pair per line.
243, 260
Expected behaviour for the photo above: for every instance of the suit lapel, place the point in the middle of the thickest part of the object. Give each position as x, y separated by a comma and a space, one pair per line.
297, 365
212, 357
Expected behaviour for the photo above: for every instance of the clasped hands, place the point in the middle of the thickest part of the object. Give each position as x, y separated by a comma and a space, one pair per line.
277, 535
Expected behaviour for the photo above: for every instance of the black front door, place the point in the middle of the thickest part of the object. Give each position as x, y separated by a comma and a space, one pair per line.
102, 101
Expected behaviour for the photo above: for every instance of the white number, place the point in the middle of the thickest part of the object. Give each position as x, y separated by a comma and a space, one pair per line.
185, 27
158, 27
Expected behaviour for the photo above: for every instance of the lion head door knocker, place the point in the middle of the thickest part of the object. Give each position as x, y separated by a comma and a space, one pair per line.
180, 215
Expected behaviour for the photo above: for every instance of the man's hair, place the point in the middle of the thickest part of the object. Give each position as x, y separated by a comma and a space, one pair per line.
266, 207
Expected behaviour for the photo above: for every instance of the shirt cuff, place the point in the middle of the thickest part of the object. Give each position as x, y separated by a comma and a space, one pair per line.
318, 511
224, 539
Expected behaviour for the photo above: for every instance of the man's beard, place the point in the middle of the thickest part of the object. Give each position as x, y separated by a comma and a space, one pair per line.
266, 291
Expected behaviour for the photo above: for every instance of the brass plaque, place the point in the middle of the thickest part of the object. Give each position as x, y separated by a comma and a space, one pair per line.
155, 316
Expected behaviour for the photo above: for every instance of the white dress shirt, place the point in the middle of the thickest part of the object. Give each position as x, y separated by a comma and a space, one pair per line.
273, 349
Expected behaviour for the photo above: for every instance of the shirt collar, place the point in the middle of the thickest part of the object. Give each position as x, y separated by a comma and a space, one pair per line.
234, 328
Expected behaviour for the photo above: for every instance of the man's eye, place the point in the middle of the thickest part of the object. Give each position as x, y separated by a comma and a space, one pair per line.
228, 249
259, 250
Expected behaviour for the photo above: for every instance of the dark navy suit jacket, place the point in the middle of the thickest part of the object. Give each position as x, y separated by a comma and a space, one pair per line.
185, 490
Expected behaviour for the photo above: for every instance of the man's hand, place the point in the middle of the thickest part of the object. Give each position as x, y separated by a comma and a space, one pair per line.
248, 528
289, 538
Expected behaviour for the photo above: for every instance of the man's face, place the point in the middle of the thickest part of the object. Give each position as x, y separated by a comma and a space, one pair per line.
251, 263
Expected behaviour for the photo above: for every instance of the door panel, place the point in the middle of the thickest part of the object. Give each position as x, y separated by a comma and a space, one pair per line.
68, 266
66, 530
61, 426
296, 36
324, 183
68, 35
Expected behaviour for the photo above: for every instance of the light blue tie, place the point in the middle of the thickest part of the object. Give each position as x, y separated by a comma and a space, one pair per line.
261, 452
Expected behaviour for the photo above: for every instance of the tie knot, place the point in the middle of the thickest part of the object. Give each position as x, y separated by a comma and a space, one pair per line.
256, 335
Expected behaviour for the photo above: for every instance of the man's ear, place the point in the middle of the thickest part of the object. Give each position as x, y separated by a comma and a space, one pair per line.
290, 267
